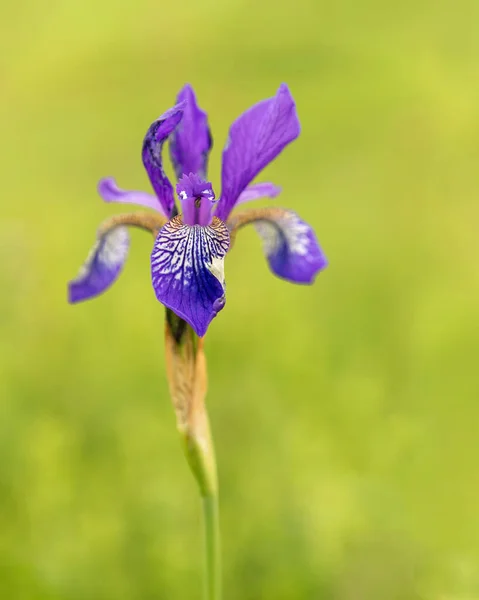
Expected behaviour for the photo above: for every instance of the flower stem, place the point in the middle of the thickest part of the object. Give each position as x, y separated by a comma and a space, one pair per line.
199, 453
212, 547
186, 367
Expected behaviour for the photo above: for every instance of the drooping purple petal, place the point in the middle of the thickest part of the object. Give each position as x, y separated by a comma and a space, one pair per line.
258, 190
102, 266
289, 243
191, 142
255, 139
110, 192
196, 197
187, 268
156, 136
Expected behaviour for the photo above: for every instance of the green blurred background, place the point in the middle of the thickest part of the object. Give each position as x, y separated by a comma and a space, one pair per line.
345, 414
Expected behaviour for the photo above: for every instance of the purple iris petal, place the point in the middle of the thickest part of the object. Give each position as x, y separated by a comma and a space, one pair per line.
110, 192
291, 246
258, 190
255, 139
102, 266
187, 268
191, 142
156, 136
196, 197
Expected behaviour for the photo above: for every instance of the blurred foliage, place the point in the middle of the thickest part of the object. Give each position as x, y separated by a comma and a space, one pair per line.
345, 414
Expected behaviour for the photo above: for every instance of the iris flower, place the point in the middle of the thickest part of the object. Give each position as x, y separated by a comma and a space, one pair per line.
187, 261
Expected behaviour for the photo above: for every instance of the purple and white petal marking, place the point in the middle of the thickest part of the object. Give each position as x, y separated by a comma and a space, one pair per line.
290, 245
187, 268
102, 266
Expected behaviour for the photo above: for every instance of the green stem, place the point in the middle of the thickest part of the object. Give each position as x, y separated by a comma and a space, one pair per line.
212, 548
200, 456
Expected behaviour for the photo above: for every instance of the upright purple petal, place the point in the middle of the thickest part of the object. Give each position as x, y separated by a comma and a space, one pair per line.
191, 142
187, 268
102, 266
110, 192
255, 139
156, 136
258, 190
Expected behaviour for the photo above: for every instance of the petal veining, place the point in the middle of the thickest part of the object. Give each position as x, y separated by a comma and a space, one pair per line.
255, 139
187, 267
